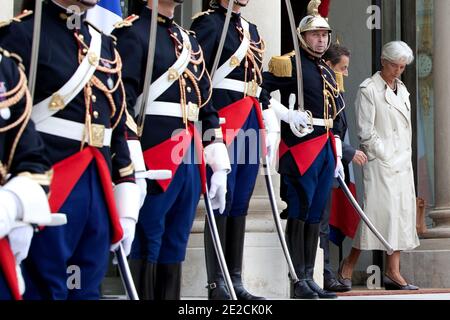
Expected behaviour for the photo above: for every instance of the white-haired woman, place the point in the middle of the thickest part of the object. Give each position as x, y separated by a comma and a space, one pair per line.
383, 113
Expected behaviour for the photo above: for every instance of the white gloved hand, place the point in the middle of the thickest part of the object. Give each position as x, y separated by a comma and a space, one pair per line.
273, 131
218, 190
127, 196
297, 118
129, 228
9, 207
339, 170
20, 241
272, 145
216, 156
137, 158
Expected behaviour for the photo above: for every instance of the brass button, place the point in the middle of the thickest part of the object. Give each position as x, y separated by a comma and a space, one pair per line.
188, 89
94, 98
95, 113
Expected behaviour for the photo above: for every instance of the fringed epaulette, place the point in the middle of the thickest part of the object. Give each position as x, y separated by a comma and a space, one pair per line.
281, 66
197, 15
340, 81
24, 14
127, 22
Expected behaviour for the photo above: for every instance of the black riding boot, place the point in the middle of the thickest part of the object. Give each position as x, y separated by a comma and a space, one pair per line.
168, 281
296, 245
144, 277
311, 242
234, 255
217, 289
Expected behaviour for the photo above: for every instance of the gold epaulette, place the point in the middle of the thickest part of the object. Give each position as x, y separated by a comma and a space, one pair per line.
207, 12
340, 81
127, 22
281, 66
18, 18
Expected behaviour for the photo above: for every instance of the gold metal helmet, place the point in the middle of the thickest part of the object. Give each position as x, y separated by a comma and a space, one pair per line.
313, 22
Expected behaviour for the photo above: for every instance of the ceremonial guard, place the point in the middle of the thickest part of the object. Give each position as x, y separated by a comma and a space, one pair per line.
178, 101
79, 110
307, 163
235, 96
24, 176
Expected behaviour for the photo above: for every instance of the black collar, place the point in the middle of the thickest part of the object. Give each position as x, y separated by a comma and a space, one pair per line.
223, 10
62, 13
162, 20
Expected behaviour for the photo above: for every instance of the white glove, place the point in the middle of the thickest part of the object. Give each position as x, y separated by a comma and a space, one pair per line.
273, 131
9, 206
20, 241
339, 170
218, 190
216, 156
295, 117
127, 196
129, 228
139, 166
23, 199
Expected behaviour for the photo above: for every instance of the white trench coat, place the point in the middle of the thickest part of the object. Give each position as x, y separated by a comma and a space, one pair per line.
384, 129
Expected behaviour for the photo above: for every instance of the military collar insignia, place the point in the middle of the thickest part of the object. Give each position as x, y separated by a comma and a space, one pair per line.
127, 22
207, 12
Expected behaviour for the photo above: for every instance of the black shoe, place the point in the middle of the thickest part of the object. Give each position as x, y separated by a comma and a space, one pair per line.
218, 292
323, 294
391, 284
243, 294
344, 281
301, 290
335, 286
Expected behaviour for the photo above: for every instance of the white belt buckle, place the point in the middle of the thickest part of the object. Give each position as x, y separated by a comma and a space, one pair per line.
192, 112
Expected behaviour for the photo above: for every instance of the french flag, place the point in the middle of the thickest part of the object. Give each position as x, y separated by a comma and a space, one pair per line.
105, 14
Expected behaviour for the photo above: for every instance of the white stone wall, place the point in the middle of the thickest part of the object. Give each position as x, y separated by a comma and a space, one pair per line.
7, 9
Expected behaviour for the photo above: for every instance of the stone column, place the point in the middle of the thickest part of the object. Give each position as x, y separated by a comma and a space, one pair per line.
7, 10
441, 212
427, 265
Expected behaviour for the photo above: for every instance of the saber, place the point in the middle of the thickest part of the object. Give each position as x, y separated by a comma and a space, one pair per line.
276, 218
299, 132
218, 245
222, 39
209, 211
125, 274
363, 216
298, 63
149, 68
35, 47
